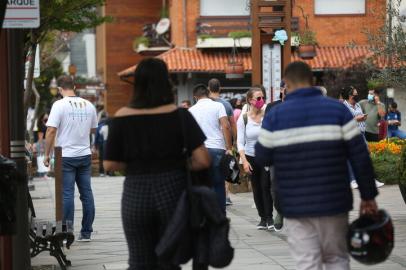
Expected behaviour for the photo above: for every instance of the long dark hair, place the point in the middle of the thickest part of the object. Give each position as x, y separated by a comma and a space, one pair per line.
152, 87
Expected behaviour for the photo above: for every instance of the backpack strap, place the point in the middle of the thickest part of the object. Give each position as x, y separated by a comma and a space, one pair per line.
245, 118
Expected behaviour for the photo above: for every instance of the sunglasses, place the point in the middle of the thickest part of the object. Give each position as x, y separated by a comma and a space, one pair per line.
260, 98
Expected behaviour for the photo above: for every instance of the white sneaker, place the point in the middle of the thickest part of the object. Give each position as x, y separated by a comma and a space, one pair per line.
379, 184
354, 184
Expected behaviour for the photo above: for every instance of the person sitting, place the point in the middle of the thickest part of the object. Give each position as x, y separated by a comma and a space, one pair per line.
394, 122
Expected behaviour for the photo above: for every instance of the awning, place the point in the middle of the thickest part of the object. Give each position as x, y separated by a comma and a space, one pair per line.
180, 60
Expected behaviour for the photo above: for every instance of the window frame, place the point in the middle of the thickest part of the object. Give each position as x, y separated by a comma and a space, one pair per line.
340, 14
222, 16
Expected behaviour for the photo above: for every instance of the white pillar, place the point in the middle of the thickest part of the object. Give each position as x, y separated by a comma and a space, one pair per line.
90, 41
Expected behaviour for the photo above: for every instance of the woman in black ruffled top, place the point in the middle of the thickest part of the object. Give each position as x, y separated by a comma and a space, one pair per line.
146, 141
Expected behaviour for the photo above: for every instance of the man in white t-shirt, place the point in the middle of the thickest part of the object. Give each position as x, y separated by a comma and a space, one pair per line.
71, 121
212, 119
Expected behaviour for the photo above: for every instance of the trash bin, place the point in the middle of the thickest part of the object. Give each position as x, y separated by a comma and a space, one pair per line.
8, 188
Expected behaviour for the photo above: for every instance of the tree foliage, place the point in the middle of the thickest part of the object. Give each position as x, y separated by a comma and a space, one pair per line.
389, 46
356, 76
63, 16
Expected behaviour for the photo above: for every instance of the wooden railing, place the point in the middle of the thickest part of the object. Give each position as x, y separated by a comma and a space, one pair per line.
220, 26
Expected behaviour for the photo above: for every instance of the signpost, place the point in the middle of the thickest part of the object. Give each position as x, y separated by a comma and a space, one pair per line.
22, 14
19, 14
269, 58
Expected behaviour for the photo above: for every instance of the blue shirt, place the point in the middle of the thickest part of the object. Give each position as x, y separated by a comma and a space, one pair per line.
308, 139
391, 117
227, 106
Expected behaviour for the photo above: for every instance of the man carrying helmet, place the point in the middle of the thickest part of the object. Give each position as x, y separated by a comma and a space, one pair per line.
308, 139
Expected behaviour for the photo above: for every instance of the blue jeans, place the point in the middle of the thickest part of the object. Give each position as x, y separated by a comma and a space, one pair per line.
397, 133
78, 170
217, 177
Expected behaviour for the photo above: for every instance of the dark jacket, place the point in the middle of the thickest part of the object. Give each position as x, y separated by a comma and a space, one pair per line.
198, 230
308, 139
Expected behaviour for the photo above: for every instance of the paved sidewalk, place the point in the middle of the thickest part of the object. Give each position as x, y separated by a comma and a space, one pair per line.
255, 250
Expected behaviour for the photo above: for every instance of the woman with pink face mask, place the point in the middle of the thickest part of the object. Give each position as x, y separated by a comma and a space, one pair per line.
248, 128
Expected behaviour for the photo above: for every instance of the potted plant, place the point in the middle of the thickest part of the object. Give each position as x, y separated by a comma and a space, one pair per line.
242, 37
307, 39
141, 43
307, 44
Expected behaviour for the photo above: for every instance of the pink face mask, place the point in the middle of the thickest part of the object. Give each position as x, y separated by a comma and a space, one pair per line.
259, 104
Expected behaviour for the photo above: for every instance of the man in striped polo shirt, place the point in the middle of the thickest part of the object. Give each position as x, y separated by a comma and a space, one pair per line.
308, 139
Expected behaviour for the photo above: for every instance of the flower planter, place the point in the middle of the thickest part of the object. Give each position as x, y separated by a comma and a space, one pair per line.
234, 71
307, 51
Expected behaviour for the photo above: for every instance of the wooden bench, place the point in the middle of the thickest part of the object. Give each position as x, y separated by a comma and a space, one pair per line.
46, 236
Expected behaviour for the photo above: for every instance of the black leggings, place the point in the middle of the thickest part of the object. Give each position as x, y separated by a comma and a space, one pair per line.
261, 188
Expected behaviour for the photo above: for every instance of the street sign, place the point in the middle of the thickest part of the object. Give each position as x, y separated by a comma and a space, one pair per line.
22, 14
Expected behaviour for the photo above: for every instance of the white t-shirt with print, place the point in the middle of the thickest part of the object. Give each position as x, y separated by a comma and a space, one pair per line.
207, 114
74, 117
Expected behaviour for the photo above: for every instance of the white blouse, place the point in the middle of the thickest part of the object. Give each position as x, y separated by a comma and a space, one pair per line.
247, 136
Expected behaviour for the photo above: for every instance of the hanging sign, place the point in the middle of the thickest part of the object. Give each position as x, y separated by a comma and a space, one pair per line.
22, 14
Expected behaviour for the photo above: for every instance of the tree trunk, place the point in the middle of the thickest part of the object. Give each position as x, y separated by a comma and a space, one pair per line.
30, 77
29, 86
36, 109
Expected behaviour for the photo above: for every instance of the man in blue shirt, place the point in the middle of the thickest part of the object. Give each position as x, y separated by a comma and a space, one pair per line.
308, 139
394, 121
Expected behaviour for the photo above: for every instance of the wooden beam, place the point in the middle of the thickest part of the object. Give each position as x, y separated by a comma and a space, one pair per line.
256, 49
287, 51
58, 184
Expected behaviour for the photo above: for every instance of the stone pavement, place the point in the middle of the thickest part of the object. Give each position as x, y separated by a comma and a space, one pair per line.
255, 250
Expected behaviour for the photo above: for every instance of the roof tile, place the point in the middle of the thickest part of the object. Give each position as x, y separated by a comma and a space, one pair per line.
214, 61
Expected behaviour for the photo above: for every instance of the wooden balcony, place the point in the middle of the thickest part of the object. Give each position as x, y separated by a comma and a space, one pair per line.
220, 26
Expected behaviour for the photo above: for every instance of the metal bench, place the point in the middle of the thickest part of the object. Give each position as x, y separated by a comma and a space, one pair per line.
48, 236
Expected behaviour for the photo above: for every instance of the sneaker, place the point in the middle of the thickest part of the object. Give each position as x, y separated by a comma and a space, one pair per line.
82, 238
229, 202
262, 225
278, 223
354, 184
269, 224
379, 184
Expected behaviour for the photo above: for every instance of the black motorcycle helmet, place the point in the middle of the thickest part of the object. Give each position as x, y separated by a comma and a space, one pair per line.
371, 238
230, 169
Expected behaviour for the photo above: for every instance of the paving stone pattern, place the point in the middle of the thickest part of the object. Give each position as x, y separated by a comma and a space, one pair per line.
255, 250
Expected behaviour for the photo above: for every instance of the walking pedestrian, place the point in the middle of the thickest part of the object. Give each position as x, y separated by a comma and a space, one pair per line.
102, 134
212, 119
248, 127
394, 119
309, 138
153, 160
375, 110
71, 121
214, 93
278, 221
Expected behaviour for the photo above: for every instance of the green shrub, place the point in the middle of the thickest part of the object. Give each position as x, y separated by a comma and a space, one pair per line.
386, 167
240, 34
402, 167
